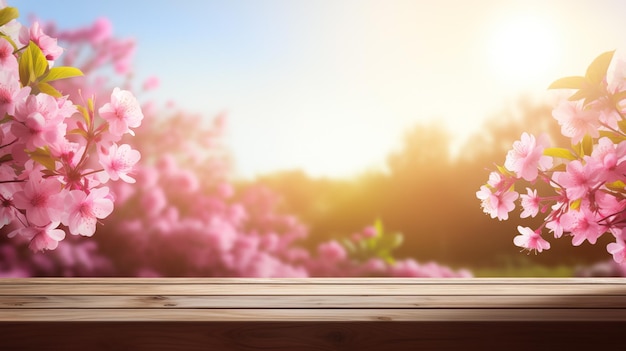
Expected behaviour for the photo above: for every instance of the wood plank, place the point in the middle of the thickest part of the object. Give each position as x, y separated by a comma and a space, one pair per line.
313, 315
317, 281
322, 301
311, 289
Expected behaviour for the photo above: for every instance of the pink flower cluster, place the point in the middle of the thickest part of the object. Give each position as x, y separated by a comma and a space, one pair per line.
586, 181
55, 156
368, 253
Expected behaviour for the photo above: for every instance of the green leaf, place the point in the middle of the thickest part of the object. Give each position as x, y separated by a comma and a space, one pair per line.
32, 64
579, 94
597, 69
43, 157
78, 131
575, 205
574, 82
63, 72
503, 170
615, 138
586, 145
379, 227
617, 185
8, 14
559, 152
622, 125
48, 89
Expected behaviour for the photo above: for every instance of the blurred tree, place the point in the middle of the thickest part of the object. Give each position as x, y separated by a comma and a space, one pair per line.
430, 196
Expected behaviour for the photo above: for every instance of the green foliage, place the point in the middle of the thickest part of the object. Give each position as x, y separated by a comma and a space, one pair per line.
559, 152
43, 157
590, 87
34, 71
56, 73
574, 82
617, 186
8, 14
379, 245
32, 64
585, 147
48, 89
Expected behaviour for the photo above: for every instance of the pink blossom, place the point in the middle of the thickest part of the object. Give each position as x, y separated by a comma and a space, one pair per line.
100, 31
530, 240
527, 156
618, 250
406, 268
555, 226
47, 44
375, 265
10, 92
40, 122
37, 132
8, 61
67, 152
41, 238
583, 225
220, 233
499, 204
332, 251
609, 207
369, 232
153, 202
122, 113
40, 199
530, 203
610, 159
578, 179
82, 211
151, 83
119, 161
186, 181
225, 190
575, 121
496, 180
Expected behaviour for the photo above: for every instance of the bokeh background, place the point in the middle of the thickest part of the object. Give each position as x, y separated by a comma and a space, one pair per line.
325, 118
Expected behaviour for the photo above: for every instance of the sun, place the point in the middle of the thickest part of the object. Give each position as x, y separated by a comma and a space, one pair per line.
523, 49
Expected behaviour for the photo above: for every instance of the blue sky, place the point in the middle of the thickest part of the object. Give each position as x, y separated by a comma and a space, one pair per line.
331, 86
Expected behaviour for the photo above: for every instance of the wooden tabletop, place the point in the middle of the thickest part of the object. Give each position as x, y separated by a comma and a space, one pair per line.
311, 299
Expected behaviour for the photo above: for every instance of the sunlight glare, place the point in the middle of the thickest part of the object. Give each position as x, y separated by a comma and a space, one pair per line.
522, 49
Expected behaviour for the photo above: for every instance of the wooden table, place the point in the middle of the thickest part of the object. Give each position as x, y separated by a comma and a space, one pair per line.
311, 314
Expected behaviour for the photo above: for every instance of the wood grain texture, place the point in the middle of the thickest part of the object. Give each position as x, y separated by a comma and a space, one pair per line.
309, 314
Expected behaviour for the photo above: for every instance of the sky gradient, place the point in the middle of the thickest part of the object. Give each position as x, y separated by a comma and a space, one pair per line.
331, 86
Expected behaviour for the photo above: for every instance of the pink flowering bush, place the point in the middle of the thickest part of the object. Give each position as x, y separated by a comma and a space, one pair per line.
584, 184
178, 212
56, 153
